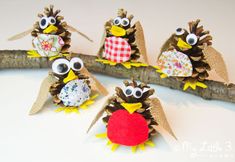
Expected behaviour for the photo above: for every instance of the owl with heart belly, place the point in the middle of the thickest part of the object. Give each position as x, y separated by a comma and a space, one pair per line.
132, 117
122, 42
189, 56
50, 33
70, 85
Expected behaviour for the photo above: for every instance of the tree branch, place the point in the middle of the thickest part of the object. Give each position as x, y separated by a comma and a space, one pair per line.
216, 90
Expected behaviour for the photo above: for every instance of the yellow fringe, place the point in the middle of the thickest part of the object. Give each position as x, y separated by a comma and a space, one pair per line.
114, 146
33, 54
88, 102
194, 85
74, 109
67, 110
102, 135
127, 65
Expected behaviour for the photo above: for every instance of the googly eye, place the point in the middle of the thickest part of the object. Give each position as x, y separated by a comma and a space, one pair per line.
191, 39
61, 66
128, 91
137, 93
52, 20
117, 21
179, 31
125, 22
76, 64
43, 22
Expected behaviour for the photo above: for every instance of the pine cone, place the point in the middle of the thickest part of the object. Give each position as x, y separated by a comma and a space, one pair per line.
115, 104
130, 34
195, 54
60, 24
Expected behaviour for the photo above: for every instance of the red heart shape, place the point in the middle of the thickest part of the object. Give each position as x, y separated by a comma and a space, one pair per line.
127, 129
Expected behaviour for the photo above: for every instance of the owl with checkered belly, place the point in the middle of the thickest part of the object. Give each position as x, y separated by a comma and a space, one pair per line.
122, 42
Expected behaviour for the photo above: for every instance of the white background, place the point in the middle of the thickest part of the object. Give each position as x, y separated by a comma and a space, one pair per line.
205, 129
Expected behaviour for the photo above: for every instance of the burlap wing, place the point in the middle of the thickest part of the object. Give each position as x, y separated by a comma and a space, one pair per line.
101, 49
166, 45
159, 115
216, 62
20, 35
43, 94
72, 29
95, 84
99, 114
140, 41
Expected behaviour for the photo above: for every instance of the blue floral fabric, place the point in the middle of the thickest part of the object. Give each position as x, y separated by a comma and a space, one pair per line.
74, 93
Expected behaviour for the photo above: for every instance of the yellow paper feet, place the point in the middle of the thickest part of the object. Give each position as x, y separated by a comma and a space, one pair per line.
142, 146
127, 65
194, 85
88, 102
33, 54
106, 62
162, 75
57, 56
114, 146
68, 110
101, 135
54, 57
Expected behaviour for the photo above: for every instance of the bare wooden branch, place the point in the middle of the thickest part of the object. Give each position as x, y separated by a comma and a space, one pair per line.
216, 90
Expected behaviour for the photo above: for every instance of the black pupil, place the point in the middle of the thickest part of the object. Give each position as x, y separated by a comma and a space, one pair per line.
138, 93
62, 68
128, 91
191, 41
43, 22
77, 65
179, 29
125, 22
52, 21
116, 21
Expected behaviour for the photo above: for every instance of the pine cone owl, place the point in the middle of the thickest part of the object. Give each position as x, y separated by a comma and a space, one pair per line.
189, 56
51, 34
70, 85
122, 42
132, 117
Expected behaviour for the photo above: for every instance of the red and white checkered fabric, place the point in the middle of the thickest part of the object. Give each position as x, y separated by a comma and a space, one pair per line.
116, 49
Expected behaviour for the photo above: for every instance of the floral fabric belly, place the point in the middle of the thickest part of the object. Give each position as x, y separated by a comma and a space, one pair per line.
74, 93
48, 45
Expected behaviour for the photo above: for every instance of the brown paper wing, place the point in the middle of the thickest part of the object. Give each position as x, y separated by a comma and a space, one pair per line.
159, 115
140, 41
216, 62
101, 49
20, 35
99, 114
72, 29
95, 84
43, 94
166, 45
107, 26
